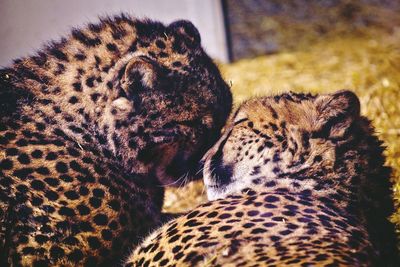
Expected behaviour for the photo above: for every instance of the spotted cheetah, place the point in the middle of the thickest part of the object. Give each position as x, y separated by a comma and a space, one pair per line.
295, 180
92, 127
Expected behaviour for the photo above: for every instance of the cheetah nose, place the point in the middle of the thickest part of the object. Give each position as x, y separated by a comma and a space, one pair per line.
223, 172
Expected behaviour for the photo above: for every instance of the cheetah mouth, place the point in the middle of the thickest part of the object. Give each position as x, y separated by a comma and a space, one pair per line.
212, 186
215, 191
183, 167
213, 183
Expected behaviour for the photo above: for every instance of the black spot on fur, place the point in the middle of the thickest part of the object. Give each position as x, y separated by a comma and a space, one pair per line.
59, 54
80, 56
77, 86
112, 47
84, 39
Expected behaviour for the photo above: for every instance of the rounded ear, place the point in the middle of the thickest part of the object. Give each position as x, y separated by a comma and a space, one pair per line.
137, 75
336, 112
342, 102
187, 31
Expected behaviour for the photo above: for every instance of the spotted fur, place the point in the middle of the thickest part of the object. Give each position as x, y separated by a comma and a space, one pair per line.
92, 127
296, 180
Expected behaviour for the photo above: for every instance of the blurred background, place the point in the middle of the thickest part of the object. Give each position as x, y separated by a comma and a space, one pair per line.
26, 24
262, 47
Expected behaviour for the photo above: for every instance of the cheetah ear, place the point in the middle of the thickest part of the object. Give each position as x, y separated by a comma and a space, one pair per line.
139, 74
336, 112
187, 33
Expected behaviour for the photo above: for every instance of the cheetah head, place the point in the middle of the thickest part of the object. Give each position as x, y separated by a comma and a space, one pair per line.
296, 142
170, 102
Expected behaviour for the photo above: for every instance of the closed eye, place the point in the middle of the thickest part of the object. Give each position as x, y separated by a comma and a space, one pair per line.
240, 121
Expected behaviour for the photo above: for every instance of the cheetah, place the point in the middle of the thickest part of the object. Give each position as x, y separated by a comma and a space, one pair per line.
295, 180
92, 128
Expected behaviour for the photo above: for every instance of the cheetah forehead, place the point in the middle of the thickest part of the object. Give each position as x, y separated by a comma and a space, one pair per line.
267, 109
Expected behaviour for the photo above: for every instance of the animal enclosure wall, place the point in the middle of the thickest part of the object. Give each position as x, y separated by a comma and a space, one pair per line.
25, 24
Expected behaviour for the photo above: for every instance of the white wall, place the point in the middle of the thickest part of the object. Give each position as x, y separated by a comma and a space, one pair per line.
26, 24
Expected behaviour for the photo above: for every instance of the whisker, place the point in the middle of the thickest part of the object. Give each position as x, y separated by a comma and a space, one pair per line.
187, 179
203, 189
174, 182
183, 182
200, 170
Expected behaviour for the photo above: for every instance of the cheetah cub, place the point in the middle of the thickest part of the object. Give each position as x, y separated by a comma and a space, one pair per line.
295, 180
91, 129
